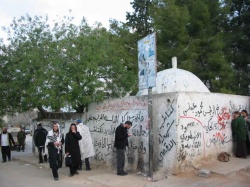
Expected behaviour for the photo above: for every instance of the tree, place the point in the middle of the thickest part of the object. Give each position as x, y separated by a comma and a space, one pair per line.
207, 33
2, 123
141, 19
171, 21
127, 43
192, 31
99, 66
238, 41
59, 66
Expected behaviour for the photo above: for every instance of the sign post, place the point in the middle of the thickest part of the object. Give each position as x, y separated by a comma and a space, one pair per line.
147, 80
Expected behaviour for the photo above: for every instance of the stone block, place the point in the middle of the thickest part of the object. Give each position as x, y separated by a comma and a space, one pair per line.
204, 173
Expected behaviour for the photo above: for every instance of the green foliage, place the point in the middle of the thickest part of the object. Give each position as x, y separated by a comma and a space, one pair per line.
59, 64
141, 19
127, 44
171, 21
238, 41
62, 65
192, 31
2, 123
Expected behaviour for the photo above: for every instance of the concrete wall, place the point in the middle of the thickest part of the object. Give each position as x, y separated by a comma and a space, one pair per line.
205, 124
104, 117
191, 128
165, 118
194, 127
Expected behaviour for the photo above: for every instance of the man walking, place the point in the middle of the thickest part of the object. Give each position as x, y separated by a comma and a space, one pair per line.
39, 139
6, 140
121, 141
21, 136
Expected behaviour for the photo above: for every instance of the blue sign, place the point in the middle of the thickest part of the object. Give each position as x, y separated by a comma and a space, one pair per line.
147, 62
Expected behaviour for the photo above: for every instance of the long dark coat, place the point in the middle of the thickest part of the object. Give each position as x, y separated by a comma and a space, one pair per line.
72, 147
55, 155
39, 136
239, 133
121, 137
239, 130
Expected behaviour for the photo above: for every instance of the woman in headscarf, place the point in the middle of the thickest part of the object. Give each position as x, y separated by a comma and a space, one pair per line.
54, 142
72, 149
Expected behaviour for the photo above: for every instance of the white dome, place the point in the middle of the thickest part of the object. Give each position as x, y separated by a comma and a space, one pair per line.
176, 80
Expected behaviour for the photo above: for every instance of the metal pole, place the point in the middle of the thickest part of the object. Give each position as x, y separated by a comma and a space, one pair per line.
151, 132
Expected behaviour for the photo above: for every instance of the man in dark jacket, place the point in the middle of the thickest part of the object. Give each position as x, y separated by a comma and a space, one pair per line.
121, 141
21, 136
6, 140
39, 139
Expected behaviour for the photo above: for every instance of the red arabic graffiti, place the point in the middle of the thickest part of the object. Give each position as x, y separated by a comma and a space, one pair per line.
223, 117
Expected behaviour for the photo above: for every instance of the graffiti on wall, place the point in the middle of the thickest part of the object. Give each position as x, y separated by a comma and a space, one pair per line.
134, 104
166, 127
201, 128
204, 127
107, 116
190, 130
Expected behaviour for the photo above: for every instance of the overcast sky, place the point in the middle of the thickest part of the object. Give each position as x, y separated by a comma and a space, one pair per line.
93, 10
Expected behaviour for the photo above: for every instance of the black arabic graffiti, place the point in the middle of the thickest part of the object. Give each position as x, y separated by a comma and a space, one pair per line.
163, 135
198, 111
138, 117
167, 148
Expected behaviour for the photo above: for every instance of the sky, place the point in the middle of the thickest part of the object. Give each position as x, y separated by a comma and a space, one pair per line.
93, 10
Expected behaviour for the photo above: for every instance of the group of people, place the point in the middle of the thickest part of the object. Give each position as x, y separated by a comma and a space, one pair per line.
241, 133
78, 146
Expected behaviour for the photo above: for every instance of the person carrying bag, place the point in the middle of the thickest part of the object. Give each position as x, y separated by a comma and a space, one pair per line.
68, 161
72, 150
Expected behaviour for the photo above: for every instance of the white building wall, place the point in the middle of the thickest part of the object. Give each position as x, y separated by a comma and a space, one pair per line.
192, 128
104, 117
165, 118
204, 125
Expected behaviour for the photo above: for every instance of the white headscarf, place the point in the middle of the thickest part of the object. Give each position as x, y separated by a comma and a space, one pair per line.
54, 137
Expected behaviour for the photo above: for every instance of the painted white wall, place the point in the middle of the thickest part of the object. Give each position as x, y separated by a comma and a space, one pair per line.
104, 117
165, 118
192, 128
204, 125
